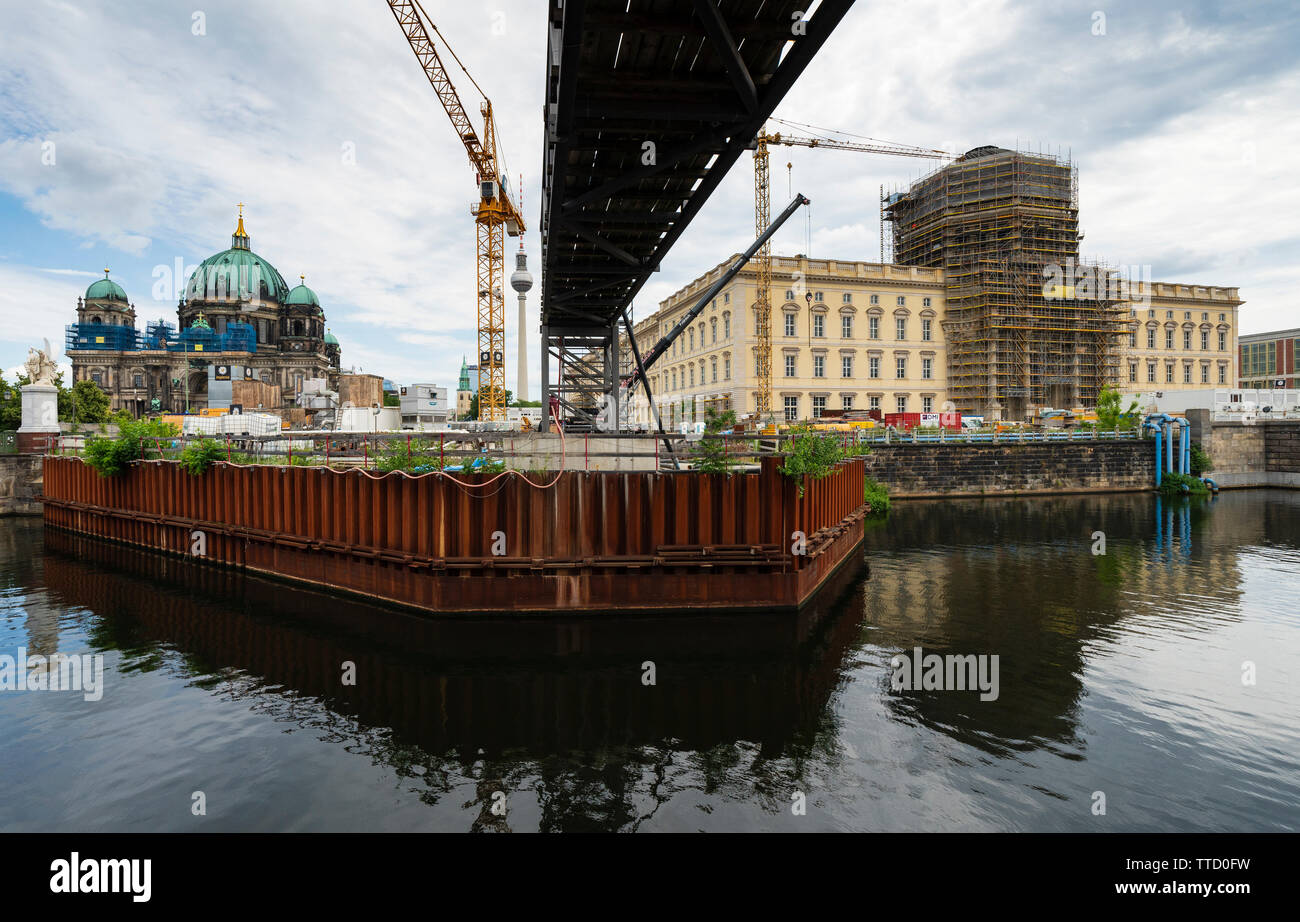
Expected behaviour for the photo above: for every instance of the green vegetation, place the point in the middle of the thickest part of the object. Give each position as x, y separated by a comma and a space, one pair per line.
1172, 484
876, 495
1200, 461
201, 455
710, 454
11, 404
135, 440
91, 403
1110, 416
423, 455
812, 453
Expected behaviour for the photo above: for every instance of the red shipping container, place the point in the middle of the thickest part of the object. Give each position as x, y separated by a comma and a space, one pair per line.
905, 422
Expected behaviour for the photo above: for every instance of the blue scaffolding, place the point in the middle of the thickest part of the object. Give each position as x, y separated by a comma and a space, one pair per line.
160, 335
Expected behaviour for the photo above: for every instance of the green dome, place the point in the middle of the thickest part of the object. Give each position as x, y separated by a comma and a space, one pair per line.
304, 296
105, 290
234, 270
331, 339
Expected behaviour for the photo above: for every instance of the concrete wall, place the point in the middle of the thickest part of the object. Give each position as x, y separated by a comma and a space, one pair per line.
1011, 469
20, 484
1257, 454
543, 452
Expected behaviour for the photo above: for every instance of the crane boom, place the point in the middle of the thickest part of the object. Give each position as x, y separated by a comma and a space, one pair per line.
897, 150
412, 25
494, 212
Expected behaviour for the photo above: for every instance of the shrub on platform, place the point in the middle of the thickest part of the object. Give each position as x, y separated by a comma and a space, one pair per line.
711, 455
201, 455
812, 453
136, 439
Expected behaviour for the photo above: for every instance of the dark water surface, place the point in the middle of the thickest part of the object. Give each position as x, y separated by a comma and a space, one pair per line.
1120, 674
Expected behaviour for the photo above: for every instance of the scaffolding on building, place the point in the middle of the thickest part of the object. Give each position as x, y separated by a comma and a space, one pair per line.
1028, 325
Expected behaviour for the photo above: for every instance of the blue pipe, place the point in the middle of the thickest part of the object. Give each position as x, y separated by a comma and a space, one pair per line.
1159, 469
1159, 422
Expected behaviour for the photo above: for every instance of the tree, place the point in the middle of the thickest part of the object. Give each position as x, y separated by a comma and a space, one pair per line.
711, 454
11, 404
91, 403
1109, 414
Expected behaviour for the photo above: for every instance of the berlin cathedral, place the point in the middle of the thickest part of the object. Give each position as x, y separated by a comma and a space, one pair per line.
238, 320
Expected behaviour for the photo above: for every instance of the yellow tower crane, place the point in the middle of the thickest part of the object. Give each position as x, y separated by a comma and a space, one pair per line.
494, 212
763, 261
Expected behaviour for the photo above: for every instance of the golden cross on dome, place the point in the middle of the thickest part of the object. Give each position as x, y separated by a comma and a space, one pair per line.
241, 209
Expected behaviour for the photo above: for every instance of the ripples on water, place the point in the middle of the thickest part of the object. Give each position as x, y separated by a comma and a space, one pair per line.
1119, 673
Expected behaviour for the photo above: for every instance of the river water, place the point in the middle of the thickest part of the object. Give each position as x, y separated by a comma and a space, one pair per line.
1152, 687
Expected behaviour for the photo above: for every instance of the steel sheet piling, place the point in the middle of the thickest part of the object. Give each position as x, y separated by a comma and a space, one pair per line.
603, 540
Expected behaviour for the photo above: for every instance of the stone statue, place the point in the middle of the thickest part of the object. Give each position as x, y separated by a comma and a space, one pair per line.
40, 367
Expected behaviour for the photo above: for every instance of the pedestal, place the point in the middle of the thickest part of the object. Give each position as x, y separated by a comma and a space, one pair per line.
40, 418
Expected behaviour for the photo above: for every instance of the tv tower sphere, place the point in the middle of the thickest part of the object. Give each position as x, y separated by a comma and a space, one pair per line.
521, 279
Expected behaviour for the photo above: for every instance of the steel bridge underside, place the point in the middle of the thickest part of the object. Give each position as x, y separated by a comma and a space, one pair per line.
648, 106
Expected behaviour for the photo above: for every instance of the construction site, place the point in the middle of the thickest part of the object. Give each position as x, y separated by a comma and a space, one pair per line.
1000, 223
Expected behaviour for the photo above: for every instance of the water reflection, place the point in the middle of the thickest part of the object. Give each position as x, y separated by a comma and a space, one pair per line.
1020, 579
1118, 672
444, 699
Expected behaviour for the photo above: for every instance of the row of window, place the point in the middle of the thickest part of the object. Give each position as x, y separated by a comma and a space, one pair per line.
1169, 373
1187, 315
689, 344
697, 333
681, 378
1187, 340
791, 407
846, 327
1259, 358
847, 298
846, 366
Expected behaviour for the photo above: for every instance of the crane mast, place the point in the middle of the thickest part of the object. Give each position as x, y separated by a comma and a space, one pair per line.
763, 261
494, 214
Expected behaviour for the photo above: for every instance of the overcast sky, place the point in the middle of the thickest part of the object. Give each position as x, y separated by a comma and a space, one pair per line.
1182, 118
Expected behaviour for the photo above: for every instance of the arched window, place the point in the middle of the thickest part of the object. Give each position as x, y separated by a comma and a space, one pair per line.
713, 329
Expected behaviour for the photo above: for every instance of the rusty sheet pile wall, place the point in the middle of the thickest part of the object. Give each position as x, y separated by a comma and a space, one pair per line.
688, 539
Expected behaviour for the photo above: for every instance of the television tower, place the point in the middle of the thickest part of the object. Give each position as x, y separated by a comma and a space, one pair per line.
521, 280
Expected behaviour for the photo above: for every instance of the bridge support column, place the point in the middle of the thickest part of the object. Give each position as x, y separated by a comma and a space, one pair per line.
546, 379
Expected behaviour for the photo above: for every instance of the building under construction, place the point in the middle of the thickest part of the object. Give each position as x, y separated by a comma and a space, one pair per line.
1021, 334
